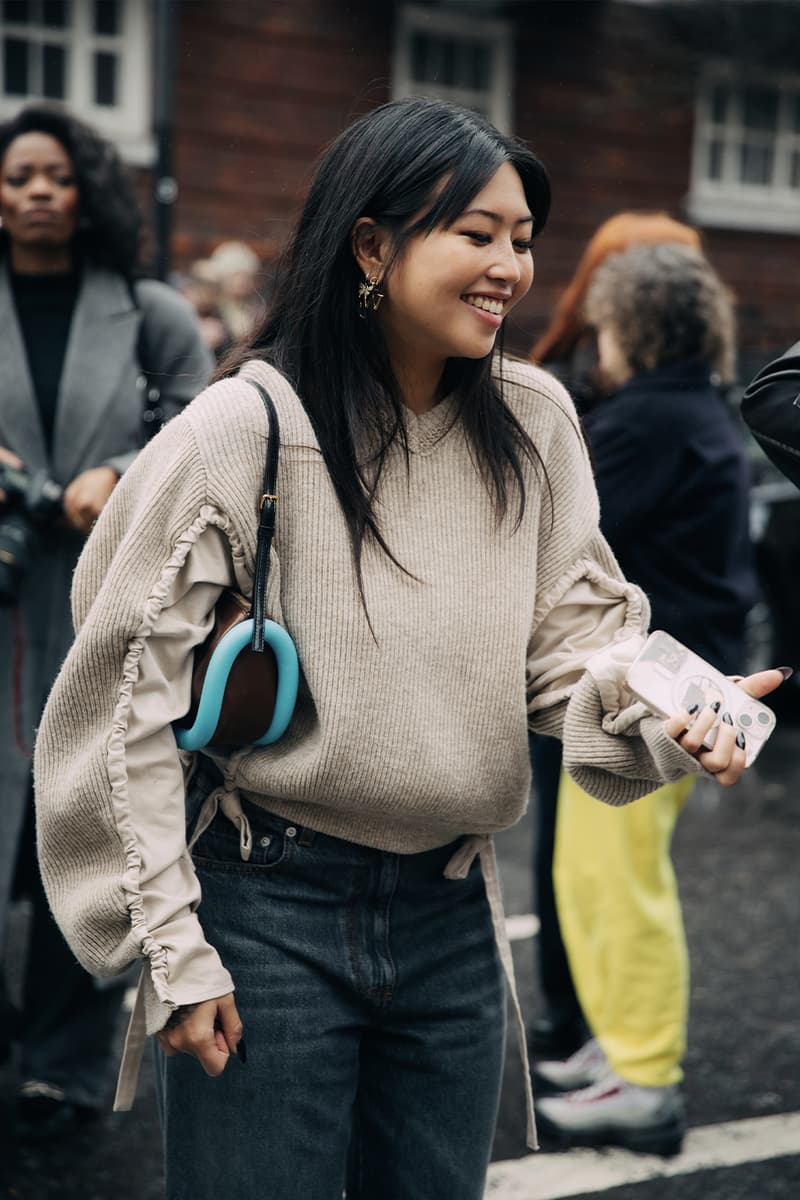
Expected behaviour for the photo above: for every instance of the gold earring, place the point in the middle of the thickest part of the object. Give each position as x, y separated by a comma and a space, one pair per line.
369, 297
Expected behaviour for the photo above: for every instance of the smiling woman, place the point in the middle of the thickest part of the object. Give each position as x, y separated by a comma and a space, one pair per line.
438, 564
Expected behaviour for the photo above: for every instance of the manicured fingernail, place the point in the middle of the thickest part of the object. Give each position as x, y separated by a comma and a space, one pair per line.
716, 706
241, 1050
727, 718
740, 742
695, 708
786, 672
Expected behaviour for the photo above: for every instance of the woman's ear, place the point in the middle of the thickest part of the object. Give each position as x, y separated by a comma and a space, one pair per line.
370, 243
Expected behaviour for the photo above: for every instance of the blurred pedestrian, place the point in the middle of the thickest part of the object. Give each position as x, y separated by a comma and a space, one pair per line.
673, 482
202, 291
568, 348
236, 270
83, 351
437, 524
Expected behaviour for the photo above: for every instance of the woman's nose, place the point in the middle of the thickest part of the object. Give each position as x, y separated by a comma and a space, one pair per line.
506, 265
40, 185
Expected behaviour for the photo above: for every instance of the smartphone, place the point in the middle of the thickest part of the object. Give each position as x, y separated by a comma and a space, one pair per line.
669, 678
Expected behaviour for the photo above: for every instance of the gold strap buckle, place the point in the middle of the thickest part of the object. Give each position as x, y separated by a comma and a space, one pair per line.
268, 496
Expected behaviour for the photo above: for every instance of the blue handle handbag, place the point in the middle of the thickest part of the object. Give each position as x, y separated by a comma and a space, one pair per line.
246, 673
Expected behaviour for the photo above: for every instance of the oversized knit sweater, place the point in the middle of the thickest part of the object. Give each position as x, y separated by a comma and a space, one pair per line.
404, 740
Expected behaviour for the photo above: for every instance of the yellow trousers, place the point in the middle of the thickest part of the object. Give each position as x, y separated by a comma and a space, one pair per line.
621, 922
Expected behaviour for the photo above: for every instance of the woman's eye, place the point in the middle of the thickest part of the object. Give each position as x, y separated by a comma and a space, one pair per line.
523, 244
15, 180
483, 239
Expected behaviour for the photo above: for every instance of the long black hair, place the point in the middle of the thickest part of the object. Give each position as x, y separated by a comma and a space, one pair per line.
412, 166
109, 223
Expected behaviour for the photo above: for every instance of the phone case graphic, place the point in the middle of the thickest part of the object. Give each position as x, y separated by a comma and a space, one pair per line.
669, 678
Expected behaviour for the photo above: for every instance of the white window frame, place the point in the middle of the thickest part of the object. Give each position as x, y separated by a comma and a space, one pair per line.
729, 203
129, 122
496, 102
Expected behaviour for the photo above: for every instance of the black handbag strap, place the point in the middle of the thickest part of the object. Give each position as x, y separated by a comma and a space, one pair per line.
266, 519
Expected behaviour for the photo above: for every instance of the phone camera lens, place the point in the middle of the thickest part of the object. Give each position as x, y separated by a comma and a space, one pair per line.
763, 718
746, 720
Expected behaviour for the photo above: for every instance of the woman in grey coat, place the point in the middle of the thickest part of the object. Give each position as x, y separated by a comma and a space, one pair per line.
87, 355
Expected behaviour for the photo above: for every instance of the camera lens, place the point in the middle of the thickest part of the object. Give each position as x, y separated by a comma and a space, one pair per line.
763, 718
745, 719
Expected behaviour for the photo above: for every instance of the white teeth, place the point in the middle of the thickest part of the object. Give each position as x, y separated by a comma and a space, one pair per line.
492, 306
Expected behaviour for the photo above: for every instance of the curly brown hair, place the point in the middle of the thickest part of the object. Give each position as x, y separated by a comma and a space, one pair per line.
110, 220
665, 303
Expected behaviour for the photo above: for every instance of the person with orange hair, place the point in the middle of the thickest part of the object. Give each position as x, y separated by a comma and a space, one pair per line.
671, 472
568, 349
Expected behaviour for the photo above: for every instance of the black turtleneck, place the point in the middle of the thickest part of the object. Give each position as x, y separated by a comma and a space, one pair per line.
45, 304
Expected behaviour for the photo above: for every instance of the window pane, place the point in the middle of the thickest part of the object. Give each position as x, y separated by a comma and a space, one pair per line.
106, 17
715, 158
794, 177
719, 103
15, 63
755, 164
419, 56
17, 10
475, 66
55, 13
53, 72
453, 62
760, 108
105, 79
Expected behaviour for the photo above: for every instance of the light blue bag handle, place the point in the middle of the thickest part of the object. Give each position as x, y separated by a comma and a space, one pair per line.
257, 631
219, 667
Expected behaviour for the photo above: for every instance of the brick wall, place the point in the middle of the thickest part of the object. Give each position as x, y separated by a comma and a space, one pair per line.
262, 88
604, 92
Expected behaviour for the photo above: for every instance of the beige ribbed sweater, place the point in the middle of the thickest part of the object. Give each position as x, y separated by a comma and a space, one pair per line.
404, 741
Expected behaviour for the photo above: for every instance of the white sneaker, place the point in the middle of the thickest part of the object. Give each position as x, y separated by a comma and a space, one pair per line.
587, 1065
614, 1112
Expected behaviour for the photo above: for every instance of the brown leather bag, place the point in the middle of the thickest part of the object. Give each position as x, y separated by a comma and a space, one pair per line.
254, 686
249, 701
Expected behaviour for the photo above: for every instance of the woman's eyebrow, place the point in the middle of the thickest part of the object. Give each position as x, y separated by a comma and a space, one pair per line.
482, 212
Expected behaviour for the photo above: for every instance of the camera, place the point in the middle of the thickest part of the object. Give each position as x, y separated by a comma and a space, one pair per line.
32, 500
669, 678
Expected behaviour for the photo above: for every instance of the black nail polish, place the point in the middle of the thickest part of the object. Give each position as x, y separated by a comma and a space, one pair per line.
786, 672
241, 1050
695, 708
716, 706
740, 741
727, 718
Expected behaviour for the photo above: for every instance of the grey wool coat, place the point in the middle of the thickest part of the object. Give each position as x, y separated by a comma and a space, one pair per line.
122, 341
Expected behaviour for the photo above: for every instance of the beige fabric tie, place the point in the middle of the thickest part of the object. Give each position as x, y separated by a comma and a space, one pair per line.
458, 868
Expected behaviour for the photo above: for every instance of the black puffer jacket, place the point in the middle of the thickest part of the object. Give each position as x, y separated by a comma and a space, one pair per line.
771, 407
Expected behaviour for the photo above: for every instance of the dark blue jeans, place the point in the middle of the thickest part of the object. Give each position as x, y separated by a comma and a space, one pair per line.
373, 1004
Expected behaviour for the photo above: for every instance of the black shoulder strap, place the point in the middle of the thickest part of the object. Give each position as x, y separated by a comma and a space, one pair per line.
266, 519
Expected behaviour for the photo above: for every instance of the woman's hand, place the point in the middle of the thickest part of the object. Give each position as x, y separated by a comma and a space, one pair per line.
86, 496
211, 1031
726, 761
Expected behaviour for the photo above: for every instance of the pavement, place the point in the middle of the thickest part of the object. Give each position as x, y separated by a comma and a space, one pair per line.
736, 854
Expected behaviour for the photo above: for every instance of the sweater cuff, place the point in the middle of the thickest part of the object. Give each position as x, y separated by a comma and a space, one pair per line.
194, 972
619, 767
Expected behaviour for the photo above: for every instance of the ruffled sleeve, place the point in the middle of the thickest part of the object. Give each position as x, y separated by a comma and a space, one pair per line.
109, 782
